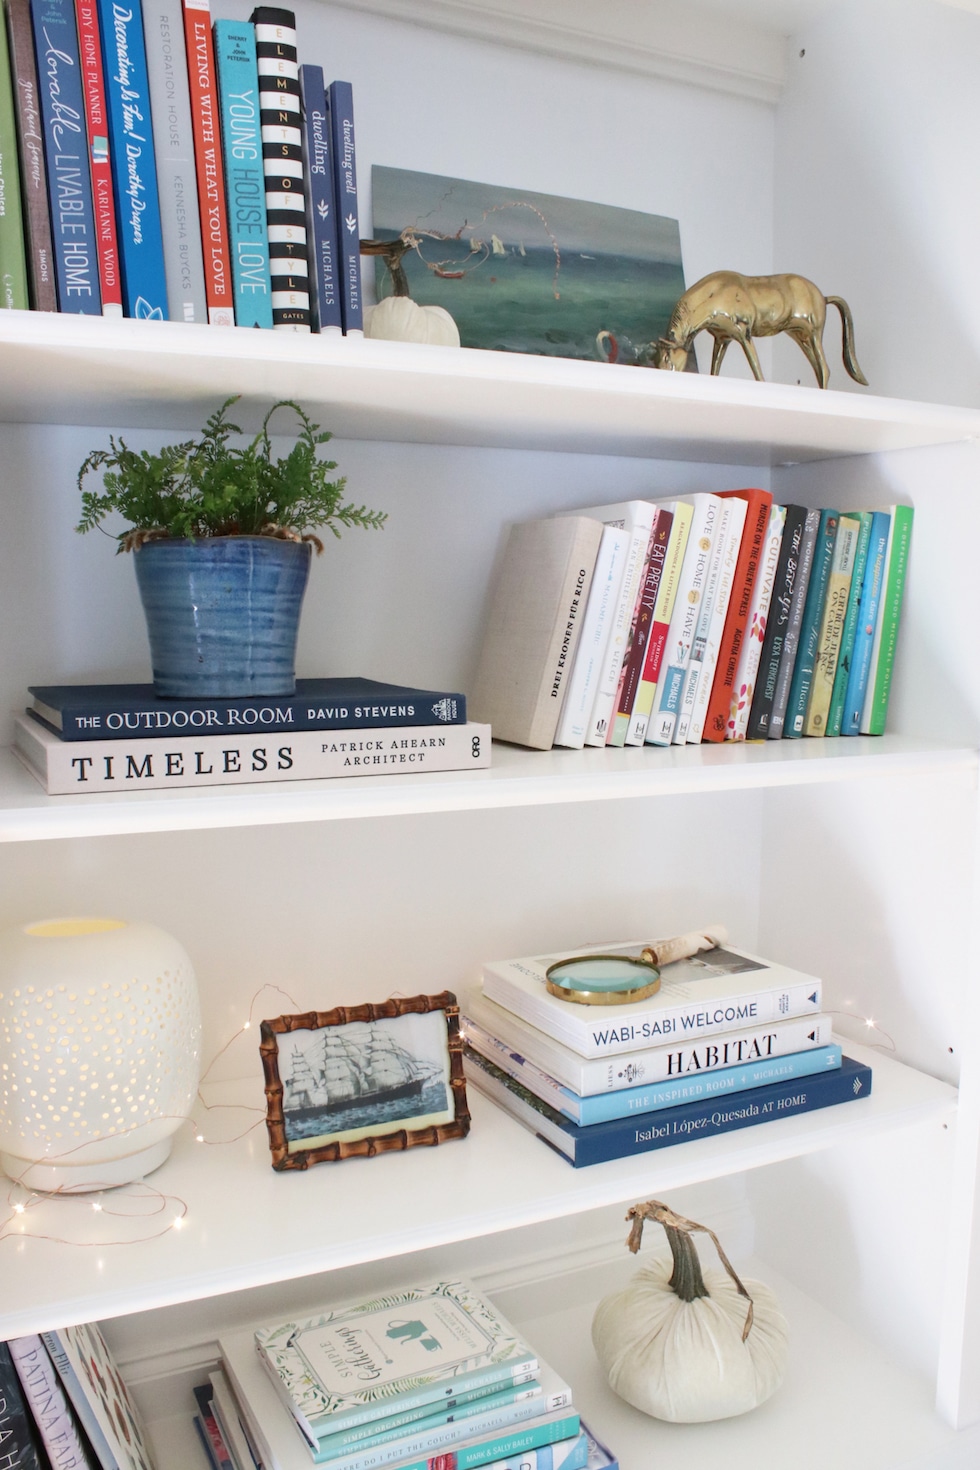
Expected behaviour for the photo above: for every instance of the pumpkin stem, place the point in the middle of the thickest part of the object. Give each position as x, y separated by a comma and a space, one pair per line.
391, 252
686, 1279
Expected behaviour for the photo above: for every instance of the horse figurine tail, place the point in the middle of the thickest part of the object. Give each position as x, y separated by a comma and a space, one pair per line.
850, 361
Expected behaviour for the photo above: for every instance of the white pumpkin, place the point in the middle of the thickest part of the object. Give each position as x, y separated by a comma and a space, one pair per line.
685, 1345
399, 319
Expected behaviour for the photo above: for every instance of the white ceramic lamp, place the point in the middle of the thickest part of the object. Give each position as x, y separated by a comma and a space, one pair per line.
100, 1048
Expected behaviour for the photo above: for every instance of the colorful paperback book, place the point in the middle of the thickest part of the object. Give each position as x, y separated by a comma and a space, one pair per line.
209, 1430
13, 260
226, 1412
241, 144
711, 621
82, 767
206, 124
97, 133
30, 143
757, 515
76, 257
99, 1396
718, 990
589, 1077
632, 670
321, 207
574, 723
133, 159
340, 105
857, 681
120, 711
777, 623
806, 653
791, 642
624, 1137
684, 620
18, 1432
835, 714
282, 150
660, 1095
832, 625
683, 515
46, 1399
465, 1405
751, 652
882, 665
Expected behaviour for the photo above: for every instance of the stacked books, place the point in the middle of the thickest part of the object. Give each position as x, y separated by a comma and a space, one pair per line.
432, 1374
729, 1041
703, 618
121, 737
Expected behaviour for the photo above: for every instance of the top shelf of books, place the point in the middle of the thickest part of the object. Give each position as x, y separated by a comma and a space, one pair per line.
64, 369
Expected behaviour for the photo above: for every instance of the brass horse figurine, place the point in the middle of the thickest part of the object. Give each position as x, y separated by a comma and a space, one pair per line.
735, 308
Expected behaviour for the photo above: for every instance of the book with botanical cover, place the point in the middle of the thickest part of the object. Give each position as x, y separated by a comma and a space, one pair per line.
19, 1449
99, 1396
206, 127
622, 1137
642, 625
711, 621
857, 680
575, 720
682, 514
886, 627
140, 764
691, 587
532, 629
30, 143
751, 651
45, 1396
835, 713
97, 133
120, 711
758, 507
806, 653
592, 1076
241, 152
791, 641
13, 260
777, 623
832, 624
718, 990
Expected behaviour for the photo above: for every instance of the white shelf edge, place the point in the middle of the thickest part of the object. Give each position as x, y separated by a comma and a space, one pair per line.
517, 778
334, 1216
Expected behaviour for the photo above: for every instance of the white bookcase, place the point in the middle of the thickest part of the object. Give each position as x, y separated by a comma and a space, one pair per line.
851, 858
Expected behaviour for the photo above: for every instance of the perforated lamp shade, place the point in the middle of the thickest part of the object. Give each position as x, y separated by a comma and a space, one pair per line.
100, 1044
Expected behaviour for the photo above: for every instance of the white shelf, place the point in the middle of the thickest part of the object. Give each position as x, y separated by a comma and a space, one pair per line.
285, 1226
517, 778
62, 369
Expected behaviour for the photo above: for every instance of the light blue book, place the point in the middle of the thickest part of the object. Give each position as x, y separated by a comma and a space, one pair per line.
241, 151
835, 715
799, 693
857, 679
134, 170
396, 1426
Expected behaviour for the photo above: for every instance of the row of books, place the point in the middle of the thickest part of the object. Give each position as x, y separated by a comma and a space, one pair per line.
154, 166
702, 618
728, 1041
121, 737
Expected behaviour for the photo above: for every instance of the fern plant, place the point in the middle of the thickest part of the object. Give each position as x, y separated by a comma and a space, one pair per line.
209, 486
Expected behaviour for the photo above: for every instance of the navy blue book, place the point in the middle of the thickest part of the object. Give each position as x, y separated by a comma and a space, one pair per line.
18, 1441
321, 208
620, 1137
119, 711
76, 253
340, 104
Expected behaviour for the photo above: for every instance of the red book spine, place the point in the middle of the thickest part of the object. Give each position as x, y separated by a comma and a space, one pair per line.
205, 114
736, 621
97, 127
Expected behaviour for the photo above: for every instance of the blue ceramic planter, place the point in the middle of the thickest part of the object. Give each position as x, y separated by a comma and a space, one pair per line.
222, 614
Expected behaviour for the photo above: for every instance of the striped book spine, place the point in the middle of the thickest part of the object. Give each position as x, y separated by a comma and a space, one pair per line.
241, 142
97, 129
340, 103
207, 152
282, 152
33, 173
13, 260
321, 208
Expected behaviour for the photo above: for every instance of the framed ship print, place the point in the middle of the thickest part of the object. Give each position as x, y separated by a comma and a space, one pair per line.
363, 1080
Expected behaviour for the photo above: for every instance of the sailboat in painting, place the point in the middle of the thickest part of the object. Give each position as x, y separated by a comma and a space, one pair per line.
340, 1079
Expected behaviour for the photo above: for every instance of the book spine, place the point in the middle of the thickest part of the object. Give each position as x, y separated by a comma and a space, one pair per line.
144, 765
632, 669
52, 1414
714, 605
777, 623
282, 152
683, 623
173, 144
662, 614
69, 180
758, 503
835, 713
751, 652
321, 208
573, 724
241, 145
211, 1436
13, 259
832, 626
857, 682
97, 134
430, 1442
218, 286
75, 1390
30, 143
503, 1446
875, 708
18, 1450
697, 715
229, 1417
799, 692
340, 102
421, 1421
787, 661
604, 703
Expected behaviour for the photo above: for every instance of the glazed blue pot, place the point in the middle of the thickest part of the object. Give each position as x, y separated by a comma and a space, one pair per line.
222, 614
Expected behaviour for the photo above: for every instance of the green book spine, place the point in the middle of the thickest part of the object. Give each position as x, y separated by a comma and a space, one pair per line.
832, 625
799, 692
13, 258
886, 633
835, 715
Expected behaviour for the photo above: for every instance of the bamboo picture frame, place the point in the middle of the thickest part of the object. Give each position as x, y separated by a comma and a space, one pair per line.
363, 1080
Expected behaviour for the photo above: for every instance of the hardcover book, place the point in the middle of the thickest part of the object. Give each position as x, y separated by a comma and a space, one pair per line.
99, 1396
33, 172
684, 620
835, 714
18, 1433
806, 653
715, 991
575, 720
791, 642
340, 105
777, 623
832, 625
882, 664
758, 506
13, 260
683, 514
751, 651
120, 711
424, 1417
205, 120
533, 628
282, 150
46, 1399
81, 767
97, 134
632, 670
241, 141
624, 1137
711, 621
321, 205
857, 681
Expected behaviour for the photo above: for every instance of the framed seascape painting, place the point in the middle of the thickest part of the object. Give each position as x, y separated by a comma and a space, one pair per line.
525, 272
363, 1080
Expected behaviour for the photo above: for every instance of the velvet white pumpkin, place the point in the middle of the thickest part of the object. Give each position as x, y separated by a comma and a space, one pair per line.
686, 1345
399, 319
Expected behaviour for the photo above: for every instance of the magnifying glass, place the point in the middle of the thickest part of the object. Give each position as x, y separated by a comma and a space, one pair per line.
622, 977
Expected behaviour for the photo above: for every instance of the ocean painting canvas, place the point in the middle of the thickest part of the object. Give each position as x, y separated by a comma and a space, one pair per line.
525, 272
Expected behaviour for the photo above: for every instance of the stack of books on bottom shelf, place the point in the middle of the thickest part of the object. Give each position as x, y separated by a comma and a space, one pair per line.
729, 1041
423, 1377
122, 737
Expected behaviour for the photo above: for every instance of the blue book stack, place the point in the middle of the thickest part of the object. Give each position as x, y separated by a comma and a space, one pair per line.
66, 152
340, 104
321, 207
134, 171
241, 148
